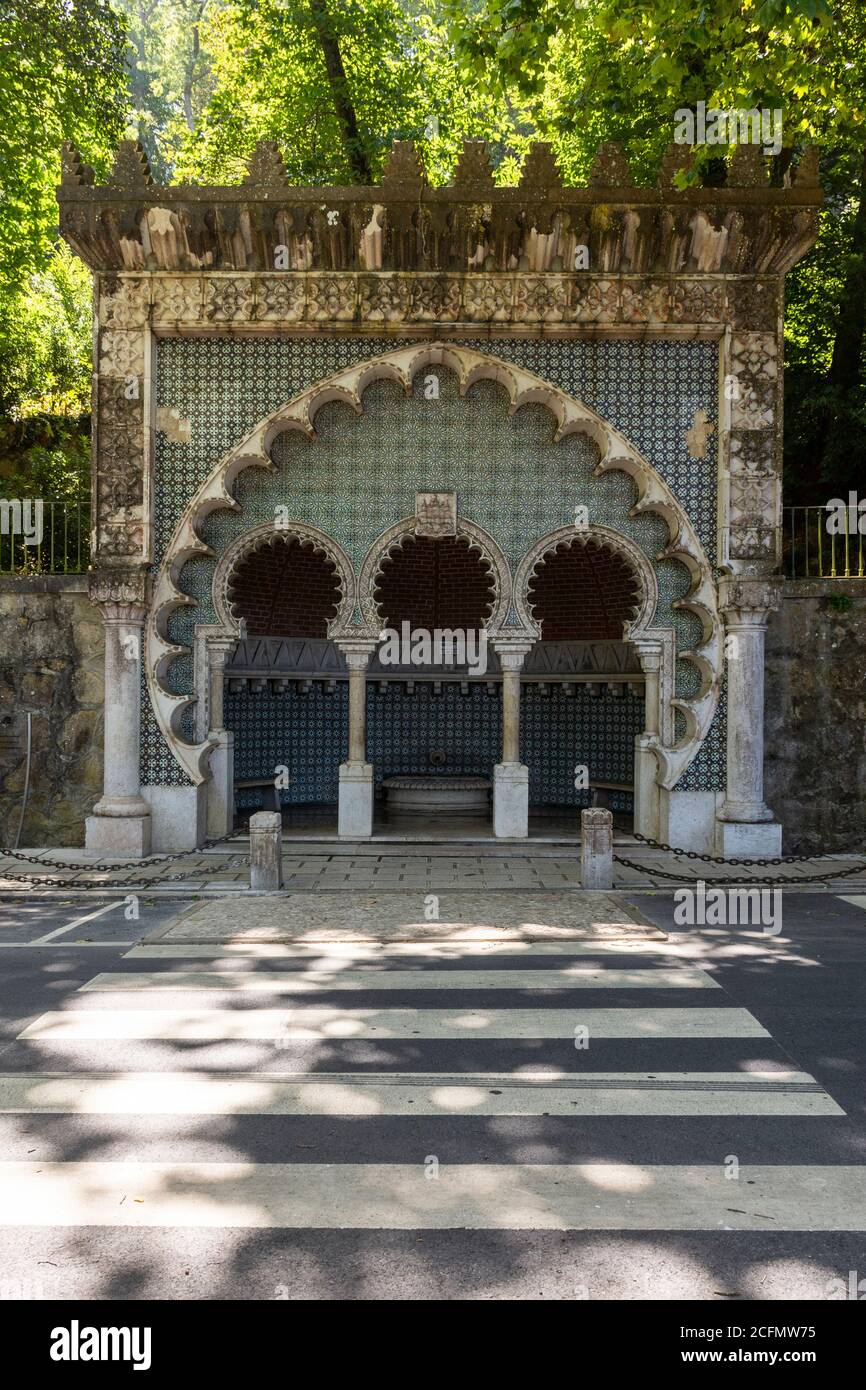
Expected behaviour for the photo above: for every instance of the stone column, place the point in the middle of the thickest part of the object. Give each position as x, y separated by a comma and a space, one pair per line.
120, 823
646, 788
221, 792
511, 777
355, 814
745, 823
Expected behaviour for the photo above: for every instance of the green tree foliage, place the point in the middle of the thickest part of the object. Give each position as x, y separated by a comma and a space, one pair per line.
170, 78
61, 76
275, 76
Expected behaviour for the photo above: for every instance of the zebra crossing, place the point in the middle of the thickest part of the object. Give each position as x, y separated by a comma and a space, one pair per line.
568, 1085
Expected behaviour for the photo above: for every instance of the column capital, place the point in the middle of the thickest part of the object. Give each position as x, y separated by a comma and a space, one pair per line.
512, 651
123, 614
749, 600
220, 649
650, 652
118, 586
357, 651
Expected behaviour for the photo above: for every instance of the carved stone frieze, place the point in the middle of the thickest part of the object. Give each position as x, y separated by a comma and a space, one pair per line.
119, 540
386, 298
177, 300
541, 299
120, 435
124, 303
594, 301
228, 299
754, 452
296, 296
696, 301
645, 301
121, 353
753, 304
753, 407
487, 299
436, 297
280, 298
331, 298
754, 354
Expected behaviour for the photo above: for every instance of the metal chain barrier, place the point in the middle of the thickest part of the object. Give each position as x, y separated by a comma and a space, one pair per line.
36, 881
132, 864
737, 863
740, 863
767, 879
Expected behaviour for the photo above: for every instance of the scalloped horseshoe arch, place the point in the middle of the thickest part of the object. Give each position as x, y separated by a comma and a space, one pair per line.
396, 536
401, 366
268, 534
603, 536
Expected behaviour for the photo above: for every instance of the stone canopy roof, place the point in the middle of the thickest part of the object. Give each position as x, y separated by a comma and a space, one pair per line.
745, 227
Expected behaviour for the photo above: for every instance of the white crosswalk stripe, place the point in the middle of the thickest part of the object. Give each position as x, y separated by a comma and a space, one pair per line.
312, 981
176, 995
521, 1196
313, 1021
371, 1094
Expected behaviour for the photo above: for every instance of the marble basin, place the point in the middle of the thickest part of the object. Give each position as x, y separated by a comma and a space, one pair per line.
437, 796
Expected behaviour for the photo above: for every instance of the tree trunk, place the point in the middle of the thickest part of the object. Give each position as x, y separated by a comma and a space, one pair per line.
356, 155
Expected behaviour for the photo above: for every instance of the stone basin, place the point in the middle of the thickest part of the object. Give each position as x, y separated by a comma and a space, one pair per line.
437, 796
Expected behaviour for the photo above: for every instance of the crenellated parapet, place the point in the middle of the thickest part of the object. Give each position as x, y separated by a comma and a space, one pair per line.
611, 226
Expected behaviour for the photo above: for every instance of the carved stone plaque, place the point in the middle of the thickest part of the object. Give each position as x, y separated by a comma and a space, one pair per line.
436, 514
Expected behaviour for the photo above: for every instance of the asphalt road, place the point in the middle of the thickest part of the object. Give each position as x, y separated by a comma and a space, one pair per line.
794, 1004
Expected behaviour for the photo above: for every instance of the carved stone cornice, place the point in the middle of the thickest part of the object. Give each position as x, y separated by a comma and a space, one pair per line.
744, 227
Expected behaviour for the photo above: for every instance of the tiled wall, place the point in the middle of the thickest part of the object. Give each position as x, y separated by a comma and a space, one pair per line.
362, 473
308, 735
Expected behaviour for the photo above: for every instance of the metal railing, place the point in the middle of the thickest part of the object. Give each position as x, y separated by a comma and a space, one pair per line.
811, 551
62, 548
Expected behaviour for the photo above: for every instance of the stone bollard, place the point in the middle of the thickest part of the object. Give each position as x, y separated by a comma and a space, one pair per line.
596, 848
266, 851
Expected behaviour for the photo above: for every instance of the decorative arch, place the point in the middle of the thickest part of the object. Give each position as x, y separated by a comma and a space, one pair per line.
401, 366
396, 537
267, 534
603, 536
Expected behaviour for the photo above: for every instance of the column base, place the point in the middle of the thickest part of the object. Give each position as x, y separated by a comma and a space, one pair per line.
745, 812
118, 835
511, 801
355, 811
749, 839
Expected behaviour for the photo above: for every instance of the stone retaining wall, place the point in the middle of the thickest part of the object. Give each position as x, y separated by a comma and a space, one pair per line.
51, 665
815, 730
